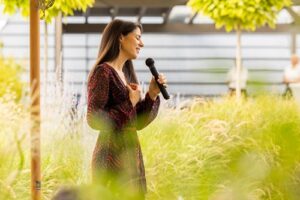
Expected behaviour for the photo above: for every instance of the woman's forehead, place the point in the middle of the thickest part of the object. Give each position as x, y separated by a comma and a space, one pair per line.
137, 31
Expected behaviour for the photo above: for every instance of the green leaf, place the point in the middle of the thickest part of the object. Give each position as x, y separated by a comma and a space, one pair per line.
249, 14
65, 6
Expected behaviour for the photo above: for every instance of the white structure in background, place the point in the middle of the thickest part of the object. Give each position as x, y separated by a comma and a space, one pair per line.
194, 64
3, 22
3, 19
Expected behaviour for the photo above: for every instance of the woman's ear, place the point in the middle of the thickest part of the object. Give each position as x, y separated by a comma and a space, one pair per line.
121, 38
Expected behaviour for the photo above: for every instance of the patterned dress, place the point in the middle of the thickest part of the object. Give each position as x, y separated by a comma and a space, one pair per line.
117, 155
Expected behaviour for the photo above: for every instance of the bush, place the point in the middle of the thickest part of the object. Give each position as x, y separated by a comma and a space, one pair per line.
10, 78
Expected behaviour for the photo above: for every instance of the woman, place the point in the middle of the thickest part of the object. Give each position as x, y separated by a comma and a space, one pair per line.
116, 109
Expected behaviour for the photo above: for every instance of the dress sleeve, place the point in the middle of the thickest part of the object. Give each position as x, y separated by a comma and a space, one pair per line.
146, 110
100, 114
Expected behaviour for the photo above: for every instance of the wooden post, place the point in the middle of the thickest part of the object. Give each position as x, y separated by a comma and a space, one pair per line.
58, 48
293, 42
35, 100
45, 61
238, 63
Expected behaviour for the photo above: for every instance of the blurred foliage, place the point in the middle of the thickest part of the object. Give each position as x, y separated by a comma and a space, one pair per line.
224, 150
10, 78
67, 7
240, 14
14, 129
204, 149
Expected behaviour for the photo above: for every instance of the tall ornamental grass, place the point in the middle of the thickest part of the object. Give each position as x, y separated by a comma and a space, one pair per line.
217, 149
225, 150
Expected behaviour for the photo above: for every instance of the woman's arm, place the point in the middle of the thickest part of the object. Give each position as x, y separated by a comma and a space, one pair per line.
99, 115
146, 110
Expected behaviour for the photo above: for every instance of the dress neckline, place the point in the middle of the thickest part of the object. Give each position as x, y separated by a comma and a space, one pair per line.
117, 74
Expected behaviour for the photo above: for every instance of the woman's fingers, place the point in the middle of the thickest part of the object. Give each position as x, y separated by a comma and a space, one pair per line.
134, 93
134, 86
162, 79
128, 86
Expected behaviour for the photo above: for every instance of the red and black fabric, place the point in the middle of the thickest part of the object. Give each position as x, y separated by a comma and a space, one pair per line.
117, 154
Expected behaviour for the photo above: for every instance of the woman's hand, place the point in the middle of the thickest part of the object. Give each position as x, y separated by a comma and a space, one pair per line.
153, 87
134, 93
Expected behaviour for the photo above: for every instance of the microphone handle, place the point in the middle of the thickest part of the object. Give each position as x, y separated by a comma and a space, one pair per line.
161, 87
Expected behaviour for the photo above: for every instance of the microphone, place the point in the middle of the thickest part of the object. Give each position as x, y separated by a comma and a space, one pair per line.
150, 64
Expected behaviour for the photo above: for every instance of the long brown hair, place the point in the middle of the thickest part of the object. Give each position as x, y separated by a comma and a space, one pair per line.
110, 46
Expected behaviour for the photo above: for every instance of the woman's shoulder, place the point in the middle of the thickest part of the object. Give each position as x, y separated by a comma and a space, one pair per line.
102, 68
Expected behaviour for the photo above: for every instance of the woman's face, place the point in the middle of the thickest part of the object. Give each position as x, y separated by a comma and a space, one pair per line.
294, 60
131, 44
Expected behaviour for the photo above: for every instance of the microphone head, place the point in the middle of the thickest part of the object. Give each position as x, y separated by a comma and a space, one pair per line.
149, 62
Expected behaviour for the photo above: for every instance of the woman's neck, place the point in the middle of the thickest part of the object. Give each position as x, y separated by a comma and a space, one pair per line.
118, 63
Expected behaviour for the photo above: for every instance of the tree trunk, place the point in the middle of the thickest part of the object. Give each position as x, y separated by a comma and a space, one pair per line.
35, 101
238, 64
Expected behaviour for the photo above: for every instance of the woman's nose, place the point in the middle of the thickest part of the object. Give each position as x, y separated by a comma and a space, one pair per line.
141, 44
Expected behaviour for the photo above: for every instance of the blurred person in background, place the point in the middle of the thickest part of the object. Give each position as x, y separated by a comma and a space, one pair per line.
232, 80
291, 75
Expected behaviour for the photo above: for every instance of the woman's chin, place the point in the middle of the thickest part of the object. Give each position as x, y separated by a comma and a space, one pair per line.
134, 57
